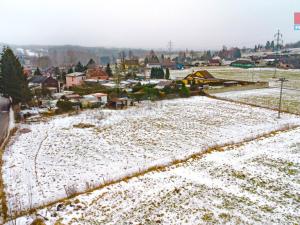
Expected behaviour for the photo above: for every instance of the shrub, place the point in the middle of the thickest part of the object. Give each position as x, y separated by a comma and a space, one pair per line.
87, 89
71, 190
64, 105
38, 221
83, 125
184, 91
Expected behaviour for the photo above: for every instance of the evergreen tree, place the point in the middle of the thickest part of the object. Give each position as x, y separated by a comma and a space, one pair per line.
79, 67
146, 61
167, 74
237, 53
272, 45
108, 70
63, 77
268, 45
70, 70
255, 48
157, 73
37, 72
91, 64
161, 73
152, 73
56, 71
13, 82
184, 91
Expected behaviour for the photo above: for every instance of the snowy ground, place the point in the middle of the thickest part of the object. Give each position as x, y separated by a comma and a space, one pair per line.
268, 97
54, 156
255, 183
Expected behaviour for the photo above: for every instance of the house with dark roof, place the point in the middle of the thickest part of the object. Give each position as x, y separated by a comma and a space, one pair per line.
215, 62
167, 63
41, 81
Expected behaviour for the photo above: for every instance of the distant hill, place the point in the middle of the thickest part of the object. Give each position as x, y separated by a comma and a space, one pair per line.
293, 45
70, 54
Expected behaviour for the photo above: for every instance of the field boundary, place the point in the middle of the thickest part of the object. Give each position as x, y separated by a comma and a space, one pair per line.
4, 208
156, 168
251, 86
249, 104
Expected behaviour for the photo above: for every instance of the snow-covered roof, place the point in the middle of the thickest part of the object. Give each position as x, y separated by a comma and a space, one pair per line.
75, 74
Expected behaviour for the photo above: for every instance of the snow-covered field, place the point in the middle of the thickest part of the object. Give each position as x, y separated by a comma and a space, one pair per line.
40, 165
255, 183
268, 97
253, 74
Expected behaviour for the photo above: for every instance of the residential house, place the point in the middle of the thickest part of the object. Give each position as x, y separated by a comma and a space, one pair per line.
151, 58
96, 74
93, 100
153, 65
118, 103
27, 71
73, 97
163, 84
44, 82
215, 62
200, 77
167, 63
75, 79
131, 64
102, 97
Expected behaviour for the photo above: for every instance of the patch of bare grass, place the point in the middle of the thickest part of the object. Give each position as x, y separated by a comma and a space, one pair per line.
83, 125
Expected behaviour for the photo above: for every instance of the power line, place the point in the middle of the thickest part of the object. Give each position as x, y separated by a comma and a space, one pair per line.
279, 41
170, 47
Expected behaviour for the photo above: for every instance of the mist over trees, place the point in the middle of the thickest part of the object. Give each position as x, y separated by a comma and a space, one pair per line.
72, 54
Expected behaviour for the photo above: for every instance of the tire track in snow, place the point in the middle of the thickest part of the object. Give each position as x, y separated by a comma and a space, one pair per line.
35, 161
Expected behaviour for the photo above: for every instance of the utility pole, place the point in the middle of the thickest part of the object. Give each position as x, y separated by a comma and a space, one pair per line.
282, 80
279, 41
117, 79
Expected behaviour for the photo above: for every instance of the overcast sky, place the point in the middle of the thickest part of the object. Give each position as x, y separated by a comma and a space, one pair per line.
192, 24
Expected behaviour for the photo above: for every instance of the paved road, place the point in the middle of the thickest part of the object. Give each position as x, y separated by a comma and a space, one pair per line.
4, 118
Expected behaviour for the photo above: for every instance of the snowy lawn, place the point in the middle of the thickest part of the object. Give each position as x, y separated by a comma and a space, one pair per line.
256, 183
268, 97
40, 165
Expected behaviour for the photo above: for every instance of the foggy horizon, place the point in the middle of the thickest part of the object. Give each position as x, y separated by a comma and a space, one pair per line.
135, 24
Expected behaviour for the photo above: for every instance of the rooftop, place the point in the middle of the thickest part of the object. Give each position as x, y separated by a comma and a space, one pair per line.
38, 79
75, 74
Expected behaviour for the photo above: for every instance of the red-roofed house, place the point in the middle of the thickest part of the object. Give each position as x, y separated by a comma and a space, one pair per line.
96, 74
